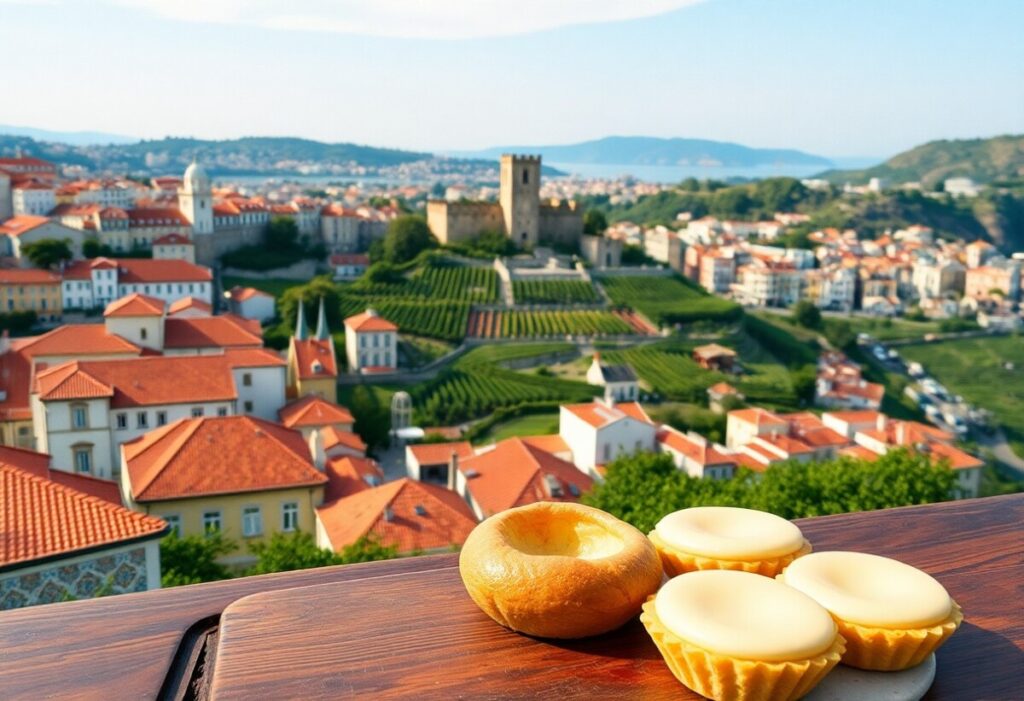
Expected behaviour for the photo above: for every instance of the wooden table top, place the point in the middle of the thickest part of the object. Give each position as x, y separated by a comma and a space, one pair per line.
407, 628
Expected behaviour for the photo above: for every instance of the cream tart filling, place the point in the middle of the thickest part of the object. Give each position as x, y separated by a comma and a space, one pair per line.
870, 590
729, 533
744, 615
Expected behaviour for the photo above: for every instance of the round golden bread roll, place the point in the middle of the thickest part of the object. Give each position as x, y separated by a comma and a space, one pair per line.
559, 570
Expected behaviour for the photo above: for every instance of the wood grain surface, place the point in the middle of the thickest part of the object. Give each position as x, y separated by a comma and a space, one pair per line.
122, 647
420, 636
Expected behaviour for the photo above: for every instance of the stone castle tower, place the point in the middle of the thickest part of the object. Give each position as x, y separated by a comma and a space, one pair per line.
520, 198
195, 199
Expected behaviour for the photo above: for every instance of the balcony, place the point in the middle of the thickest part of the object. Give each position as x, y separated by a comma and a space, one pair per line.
406, 628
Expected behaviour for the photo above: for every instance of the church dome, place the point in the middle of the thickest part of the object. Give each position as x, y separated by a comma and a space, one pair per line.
196, 179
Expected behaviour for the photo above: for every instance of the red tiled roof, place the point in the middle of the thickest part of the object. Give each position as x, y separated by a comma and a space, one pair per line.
106, 490
312, 351
157, 216
145, 381
723, 388
440, 453
334, 438
172, 240
79, 339
312, 410
176, 461
18, 225
553, 443
859, 452
514, 473
856, 416
348, 475
253, 358
757, 416
713, 350
28, 460
135, 304
142, 270
15, 381
701, 452
599, 415
422, 517
40, 518
27, 276
189, 302
222, 331
368, 321
240, 294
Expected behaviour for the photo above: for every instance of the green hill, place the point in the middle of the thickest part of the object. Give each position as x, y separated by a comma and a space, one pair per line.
983, 160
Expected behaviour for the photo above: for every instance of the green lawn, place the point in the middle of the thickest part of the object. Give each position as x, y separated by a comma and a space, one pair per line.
973, 368
528, 425
886, 329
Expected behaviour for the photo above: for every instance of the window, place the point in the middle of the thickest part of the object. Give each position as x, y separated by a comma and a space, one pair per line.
121, 420
247, 406
222, 411
252, 521
526, 177
83, 457
211, 522
606, 451
174, 521
247, 379
197, 411
141, 420
79, 416
289, 516
161, 418
143, 333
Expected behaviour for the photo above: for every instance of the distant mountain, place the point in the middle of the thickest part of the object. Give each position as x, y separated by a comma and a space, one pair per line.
72, 138
983, 160
653, 151
249, 155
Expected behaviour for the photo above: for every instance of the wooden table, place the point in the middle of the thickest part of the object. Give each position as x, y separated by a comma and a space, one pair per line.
406, 628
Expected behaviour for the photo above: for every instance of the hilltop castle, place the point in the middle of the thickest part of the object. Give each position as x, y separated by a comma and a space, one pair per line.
518, 213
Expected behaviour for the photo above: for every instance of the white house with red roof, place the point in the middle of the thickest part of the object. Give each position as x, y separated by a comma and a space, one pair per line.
32, 196
174, 247
696, 455
260, 376
349, 266
603, 430
312, 364
24, 229
88, 284
371, 343
432, 462
250, 303
82, 411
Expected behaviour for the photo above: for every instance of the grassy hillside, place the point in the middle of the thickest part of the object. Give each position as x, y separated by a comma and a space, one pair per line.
984, 160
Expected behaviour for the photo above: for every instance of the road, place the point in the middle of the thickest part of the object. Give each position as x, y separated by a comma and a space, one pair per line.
996, 442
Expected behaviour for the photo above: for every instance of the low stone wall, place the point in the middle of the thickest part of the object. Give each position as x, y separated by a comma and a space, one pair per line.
643, 270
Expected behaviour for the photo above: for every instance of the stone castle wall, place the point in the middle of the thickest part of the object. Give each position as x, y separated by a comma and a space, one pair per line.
561, 224
454, 222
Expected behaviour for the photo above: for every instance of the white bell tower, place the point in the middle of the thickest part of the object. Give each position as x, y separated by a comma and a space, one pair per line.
195, 199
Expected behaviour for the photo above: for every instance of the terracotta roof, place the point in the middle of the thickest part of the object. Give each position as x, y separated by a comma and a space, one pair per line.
599, 415
515, 473
79, 339
313, 410
223, 331
142, 270
405, 513
334, 438
702, 452
28, 460
859, 452
786, 444
157, 216
15, 381
253, 358
189, 302
369, 321
553, 443
439, 453
172, 240
856, 416
713, 350
28, 276
312, 352
722, 388
145, 381
40, 518
240, 294
756, 416
187, 459
107, 490
135, 304
956, 458
347, 475
16, 226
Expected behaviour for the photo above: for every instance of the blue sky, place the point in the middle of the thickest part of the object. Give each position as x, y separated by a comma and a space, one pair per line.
850, 78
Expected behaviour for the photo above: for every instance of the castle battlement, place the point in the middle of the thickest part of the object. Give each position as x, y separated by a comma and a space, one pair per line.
521, 157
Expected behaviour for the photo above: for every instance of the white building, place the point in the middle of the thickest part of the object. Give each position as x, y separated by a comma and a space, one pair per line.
95, 283
349, 266
24, 229
174, 247
696, 455
260, 376
601, 431
195, 199
619, 381
371, 343
82, 411
250, 303
33, 197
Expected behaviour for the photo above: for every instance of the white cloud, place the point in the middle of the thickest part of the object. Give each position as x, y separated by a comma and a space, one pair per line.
426, 19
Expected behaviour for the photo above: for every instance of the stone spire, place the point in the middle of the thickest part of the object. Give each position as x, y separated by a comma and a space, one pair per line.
322, 333
301, 330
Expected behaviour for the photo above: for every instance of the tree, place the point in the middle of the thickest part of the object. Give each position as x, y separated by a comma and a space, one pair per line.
779, 194
310, 294
643, 488
290, 551
366, 549
731, 203
840, 334
807, 314
47, 253
594, 222
372, 418
193, 559
406, 237
282, 234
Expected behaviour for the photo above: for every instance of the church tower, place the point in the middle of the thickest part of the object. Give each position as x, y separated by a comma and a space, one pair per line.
520, 198
195, 199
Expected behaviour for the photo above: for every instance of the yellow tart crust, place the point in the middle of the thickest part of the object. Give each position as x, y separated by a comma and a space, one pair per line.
893, 649
724, 678
677, 562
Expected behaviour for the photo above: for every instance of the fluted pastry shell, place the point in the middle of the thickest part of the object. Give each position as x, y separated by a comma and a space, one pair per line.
677, 562
893, 649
